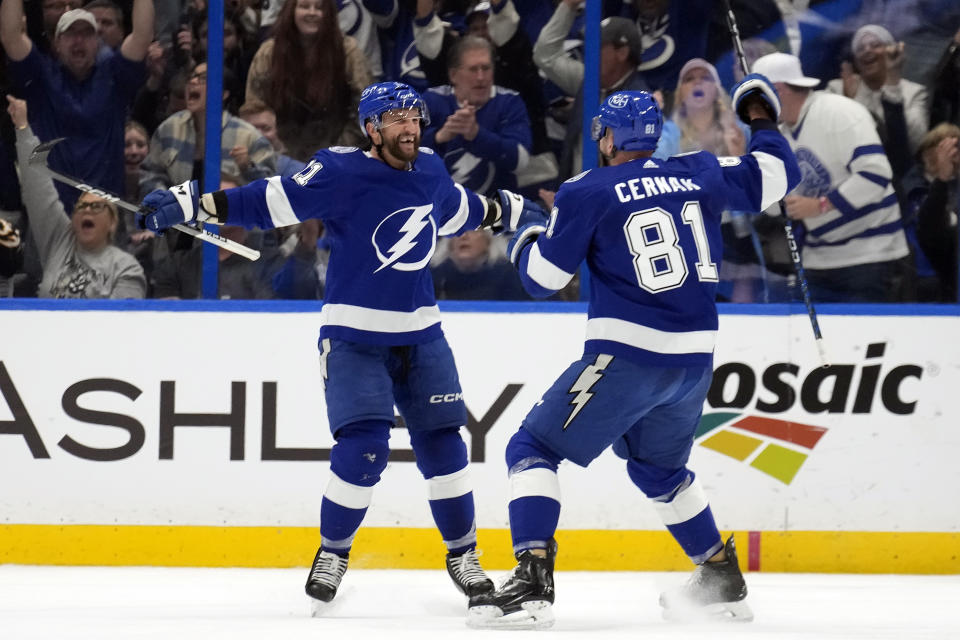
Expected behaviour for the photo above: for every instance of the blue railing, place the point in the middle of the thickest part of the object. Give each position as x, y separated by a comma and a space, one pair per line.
456, 306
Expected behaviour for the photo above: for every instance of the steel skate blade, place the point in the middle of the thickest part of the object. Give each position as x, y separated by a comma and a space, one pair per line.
537, 614
722, 611
321, 609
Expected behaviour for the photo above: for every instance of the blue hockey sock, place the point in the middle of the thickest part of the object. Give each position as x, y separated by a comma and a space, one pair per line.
698, 536
442, 459
338, 526
356, 462
534, 492
681, 503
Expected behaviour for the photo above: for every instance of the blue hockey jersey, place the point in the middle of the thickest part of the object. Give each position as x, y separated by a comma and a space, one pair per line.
382, 225
650, 232
501, 148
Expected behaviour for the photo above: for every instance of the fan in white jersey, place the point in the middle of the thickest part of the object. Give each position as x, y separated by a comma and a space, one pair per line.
854, 248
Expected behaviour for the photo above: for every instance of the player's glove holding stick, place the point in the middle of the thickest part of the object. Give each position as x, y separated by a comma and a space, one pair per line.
755, 88
180, 204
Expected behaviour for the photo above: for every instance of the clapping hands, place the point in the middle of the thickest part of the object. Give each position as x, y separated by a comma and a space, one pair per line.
462, 122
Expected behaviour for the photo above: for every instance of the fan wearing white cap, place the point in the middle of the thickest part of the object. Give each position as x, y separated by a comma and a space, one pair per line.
874, 80
854, 247
83, 95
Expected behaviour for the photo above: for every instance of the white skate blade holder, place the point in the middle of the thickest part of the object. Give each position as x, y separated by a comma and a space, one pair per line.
536, 614
727, 611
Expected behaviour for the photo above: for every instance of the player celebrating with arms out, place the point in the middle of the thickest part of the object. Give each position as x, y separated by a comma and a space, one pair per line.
650, 232
380, 337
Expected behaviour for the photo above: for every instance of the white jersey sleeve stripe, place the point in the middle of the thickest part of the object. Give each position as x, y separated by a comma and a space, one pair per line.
364, 319
545, 273
650, 339
773, 176
523, 158
455, 223
452, 485
538, 482
351, 496
281, 213
684, 506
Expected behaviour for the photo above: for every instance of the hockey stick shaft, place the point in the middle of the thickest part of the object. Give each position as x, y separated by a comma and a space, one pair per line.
38, 160
788, 225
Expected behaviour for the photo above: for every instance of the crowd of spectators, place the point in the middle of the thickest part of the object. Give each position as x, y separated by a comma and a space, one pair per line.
871, 105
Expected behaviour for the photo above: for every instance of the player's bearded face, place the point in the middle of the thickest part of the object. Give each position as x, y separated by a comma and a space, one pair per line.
401, 134
605, 145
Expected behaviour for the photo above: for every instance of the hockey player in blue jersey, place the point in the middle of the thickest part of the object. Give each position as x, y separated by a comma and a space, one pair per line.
380, 337
650, 233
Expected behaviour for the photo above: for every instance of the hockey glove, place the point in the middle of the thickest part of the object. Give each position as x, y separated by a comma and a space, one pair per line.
164, 208
524, 236
755, 87
516, 211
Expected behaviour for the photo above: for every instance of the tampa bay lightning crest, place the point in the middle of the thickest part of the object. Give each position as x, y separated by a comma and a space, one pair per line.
658, 45
814, 178
472, 172
405, 240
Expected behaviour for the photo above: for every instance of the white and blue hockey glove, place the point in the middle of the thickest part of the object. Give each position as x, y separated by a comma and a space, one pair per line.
526, 235
755, 87
164, 208
517, 211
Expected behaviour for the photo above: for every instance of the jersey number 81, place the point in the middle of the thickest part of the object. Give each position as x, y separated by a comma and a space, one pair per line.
658, 258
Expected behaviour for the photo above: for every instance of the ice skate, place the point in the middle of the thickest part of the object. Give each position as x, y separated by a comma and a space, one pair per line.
468, 575
523, 601
715, 590
324, 580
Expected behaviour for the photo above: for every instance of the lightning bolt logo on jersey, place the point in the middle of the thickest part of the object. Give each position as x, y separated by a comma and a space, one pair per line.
582, 387
382, 225
417, 239
470, 171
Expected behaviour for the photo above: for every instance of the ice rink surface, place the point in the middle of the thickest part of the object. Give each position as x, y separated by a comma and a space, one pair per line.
127, 603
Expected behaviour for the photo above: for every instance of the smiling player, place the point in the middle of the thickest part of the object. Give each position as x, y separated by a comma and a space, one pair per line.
380, 338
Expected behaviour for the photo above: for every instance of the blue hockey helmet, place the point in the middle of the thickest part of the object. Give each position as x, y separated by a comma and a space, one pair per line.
633, 116
381, 97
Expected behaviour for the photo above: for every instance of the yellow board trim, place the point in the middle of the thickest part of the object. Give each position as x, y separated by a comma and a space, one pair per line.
409, 548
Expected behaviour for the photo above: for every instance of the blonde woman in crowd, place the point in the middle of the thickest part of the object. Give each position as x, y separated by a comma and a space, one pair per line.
704, 121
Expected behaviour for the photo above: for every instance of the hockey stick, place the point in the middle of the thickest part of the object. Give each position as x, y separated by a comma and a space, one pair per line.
788, 225
38, 160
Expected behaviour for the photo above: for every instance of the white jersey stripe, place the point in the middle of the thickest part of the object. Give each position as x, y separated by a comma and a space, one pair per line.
538, 482
523, 158
455, 223
364, 319
684, 506
650, 339
545, 273
452, 485
351, 496
773, 177
281, 213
